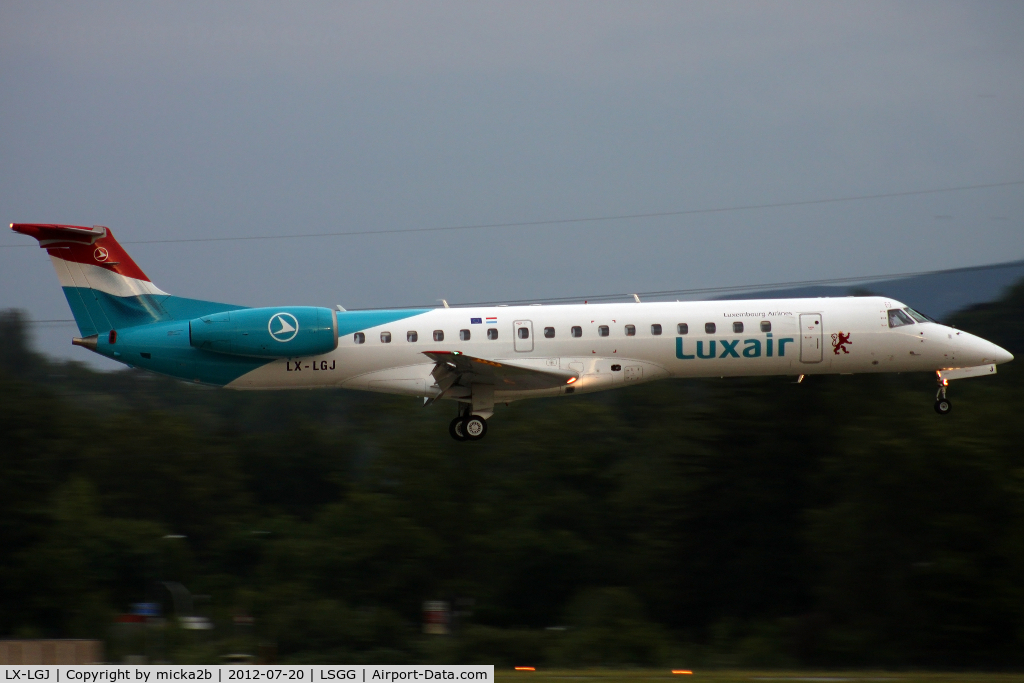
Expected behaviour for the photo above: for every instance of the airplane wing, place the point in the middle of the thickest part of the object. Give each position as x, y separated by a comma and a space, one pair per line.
456, 368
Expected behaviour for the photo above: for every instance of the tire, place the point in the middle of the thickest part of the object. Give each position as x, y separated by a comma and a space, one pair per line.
455, 429
943, 406
474, 427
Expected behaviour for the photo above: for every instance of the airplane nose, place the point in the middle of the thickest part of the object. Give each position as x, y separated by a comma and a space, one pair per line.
980, 351
1002, 355
992, 353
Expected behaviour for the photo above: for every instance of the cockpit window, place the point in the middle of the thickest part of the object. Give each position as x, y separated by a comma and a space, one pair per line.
919, 317
898, 318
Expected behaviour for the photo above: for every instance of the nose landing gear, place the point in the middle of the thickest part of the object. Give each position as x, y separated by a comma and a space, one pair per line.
942, 404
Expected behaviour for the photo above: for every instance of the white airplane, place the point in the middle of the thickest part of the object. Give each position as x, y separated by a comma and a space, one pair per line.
482, 356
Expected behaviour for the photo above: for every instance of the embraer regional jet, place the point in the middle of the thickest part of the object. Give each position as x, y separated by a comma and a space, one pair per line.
481, 356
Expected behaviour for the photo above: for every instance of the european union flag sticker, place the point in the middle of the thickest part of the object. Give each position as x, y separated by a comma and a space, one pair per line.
476, 321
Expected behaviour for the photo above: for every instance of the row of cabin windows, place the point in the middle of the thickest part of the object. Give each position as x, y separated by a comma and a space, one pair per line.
711, 328
413, 336
681, 328
575, 331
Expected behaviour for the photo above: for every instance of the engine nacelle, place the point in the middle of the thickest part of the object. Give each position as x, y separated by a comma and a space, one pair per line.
285, 332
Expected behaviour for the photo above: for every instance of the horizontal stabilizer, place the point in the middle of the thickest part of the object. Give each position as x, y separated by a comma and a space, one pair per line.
49, 233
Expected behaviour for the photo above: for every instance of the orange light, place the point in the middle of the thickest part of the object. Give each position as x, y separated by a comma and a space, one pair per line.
525, 668
945, 382
571, 380
682, 671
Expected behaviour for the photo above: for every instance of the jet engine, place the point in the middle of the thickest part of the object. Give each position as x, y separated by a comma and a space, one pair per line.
286, 332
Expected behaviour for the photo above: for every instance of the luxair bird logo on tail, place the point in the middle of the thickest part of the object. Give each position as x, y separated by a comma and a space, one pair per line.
283, 327
839, 342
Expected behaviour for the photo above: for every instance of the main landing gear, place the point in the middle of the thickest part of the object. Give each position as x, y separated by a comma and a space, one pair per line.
942, 404
468, 427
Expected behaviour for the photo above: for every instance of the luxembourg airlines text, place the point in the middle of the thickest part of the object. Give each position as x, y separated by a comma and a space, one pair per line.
707, 349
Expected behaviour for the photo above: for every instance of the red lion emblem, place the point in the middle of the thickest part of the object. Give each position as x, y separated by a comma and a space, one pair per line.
839, 342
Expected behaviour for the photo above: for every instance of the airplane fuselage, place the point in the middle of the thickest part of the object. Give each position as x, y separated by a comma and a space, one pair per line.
618, 344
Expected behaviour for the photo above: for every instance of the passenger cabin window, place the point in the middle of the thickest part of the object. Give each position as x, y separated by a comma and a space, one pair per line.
385, 337
463, 335
709, 328
630, 330
492, 333
919, 317
655, 330
682, 328
549, 333
411, 336
737, 327
602, 330
438, 335
524, 332
898, 318
576, 332
359, 338
766, 325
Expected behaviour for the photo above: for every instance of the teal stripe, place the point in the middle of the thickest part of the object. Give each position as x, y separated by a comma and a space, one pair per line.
97, 311
86, 325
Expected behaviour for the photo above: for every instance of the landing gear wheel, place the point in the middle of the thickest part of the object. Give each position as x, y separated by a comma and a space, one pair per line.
474, 427
455, 429
942, 404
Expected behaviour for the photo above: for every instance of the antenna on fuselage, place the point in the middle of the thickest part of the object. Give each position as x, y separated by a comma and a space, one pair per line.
637, 297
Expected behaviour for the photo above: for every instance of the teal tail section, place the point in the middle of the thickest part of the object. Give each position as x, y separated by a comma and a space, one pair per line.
97, 312
121, 314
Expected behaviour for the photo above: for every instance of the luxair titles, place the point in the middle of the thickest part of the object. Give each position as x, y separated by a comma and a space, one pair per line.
730, 348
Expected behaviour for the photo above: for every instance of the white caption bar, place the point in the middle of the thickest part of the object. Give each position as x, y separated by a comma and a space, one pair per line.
157, 673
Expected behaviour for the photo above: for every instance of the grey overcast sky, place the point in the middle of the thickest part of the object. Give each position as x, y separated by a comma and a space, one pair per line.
179, 120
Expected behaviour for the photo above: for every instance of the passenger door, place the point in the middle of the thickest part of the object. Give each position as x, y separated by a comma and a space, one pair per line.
810, 338
522, 334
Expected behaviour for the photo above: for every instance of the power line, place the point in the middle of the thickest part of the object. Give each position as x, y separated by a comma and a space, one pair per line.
697, 290
566, 221
744, 288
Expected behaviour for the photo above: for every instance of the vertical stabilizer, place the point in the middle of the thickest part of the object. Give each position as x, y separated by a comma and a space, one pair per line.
103, 285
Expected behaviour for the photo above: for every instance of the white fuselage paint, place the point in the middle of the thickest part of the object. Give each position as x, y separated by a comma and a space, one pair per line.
400, 366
